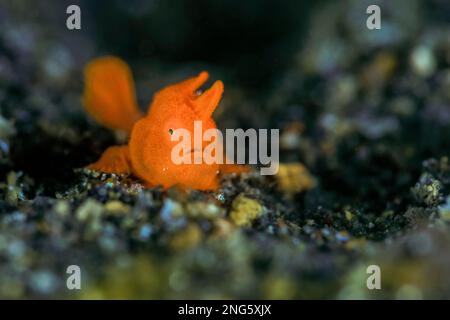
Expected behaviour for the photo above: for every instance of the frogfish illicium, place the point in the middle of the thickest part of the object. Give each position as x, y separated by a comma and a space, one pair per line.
109, 98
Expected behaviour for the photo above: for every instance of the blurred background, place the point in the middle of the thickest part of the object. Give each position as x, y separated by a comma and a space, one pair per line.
364, 117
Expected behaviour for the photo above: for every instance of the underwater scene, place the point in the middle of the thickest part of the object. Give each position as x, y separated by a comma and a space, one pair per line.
226, 149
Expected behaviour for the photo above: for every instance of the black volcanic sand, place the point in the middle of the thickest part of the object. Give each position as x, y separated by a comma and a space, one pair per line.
364, 119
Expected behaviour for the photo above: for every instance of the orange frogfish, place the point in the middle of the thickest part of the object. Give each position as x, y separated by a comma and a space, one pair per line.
109, 98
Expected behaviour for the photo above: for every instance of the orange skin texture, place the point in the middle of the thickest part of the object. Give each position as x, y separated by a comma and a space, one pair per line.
109, 97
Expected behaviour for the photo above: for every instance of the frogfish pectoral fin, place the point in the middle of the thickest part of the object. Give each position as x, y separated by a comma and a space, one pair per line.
115, 159
109, 93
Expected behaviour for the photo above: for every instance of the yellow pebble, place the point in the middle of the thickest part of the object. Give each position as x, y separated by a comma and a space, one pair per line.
116, 207
294, 178
244, 210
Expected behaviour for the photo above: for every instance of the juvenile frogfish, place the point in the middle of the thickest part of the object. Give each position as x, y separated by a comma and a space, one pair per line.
109, 98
